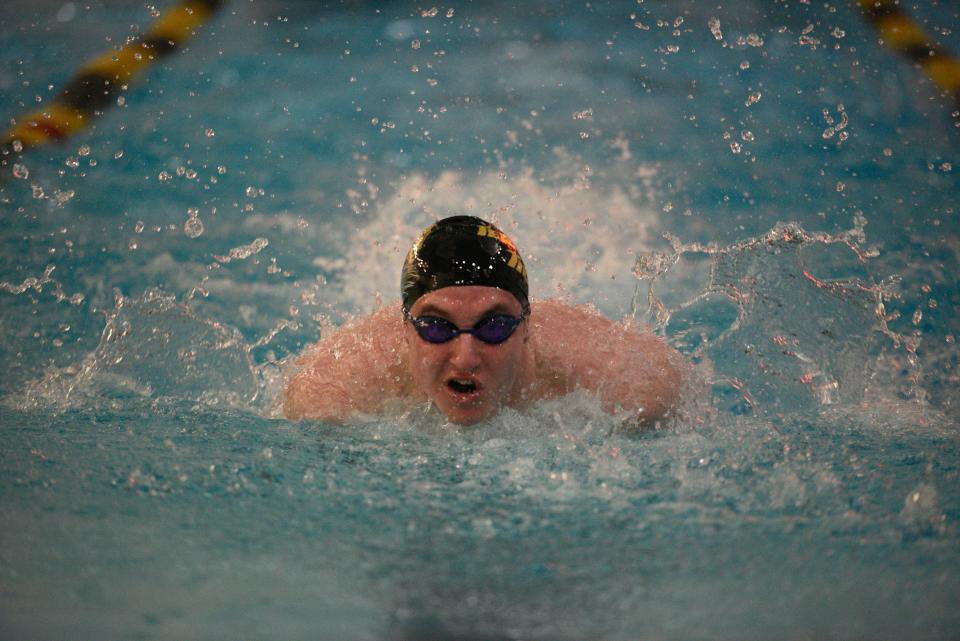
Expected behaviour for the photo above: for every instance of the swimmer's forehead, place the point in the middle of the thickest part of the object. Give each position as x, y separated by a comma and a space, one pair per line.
473, 299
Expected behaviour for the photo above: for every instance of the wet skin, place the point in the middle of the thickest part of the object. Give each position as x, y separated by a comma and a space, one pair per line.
467, 379
378, 363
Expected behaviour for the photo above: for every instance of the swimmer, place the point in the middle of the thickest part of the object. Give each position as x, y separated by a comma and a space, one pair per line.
467, 339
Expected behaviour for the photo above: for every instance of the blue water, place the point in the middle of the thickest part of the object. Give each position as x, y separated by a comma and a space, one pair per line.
149, 489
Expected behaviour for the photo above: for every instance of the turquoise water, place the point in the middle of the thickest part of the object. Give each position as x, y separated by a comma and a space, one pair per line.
149, 489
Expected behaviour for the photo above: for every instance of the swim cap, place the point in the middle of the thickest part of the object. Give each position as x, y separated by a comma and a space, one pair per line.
463, 250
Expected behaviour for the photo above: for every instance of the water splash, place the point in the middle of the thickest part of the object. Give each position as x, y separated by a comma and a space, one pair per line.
579, 243
773, 331
155, 348
37, 284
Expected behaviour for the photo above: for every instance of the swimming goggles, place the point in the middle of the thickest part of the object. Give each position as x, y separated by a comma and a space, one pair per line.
492, 330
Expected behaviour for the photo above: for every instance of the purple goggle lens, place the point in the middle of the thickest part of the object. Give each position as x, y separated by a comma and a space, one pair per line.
492, 330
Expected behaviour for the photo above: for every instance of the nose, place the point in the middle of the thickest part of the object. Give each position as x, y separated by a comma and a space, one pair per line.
465, 354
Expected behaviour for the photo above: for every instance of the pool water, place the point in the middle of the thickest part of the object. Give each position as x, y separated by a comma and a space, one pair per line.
767, 186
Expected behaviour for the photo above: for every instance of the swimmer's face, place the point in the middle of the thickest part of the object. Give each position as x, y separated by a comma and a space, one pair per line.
466, 378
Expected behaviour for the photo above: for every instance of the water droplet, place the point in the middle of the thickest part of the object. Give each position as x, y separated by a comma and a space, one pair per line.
753, 98
63, 197
887, 152
20, 171
735, 147
38, 192
138, 228
586, 114
745, 64
67, 12
84, 150
72, 162
193, 228
449, 13
191, 174
118, 154
251, 192
946, 167
121, 101
714, 24
17, 146
429, 13
838, 33
841, 186
747, 136
414, 44
164, 176
221, 170
209, 133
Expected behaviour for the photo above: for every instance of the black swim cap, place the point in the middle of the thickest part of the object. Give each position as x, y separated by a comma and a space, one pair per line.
463, 250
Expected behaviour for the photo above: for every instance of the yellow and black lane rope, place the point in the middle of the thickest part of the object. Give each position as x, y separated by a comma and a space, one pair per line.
97, 84
902, 33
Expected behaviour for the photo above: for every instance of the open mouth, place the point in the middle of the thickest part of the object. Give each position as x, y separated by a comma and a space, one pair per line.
462, 386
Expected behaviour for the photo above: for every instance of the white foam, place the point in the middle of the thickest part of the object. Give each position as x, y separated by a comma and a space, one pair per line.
578, 241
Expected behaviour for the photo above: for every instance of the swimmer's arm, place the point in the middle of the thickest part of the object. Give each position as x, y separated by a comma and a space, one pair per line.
357, 369
629, 368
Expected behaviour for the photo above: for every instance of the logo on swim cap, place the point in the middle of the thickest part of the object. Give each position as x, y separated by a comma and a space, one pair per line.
463, 250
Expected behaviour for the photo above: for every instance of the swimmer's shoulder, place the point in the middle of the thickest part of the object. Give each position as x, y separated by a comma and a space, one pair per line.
559, 332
